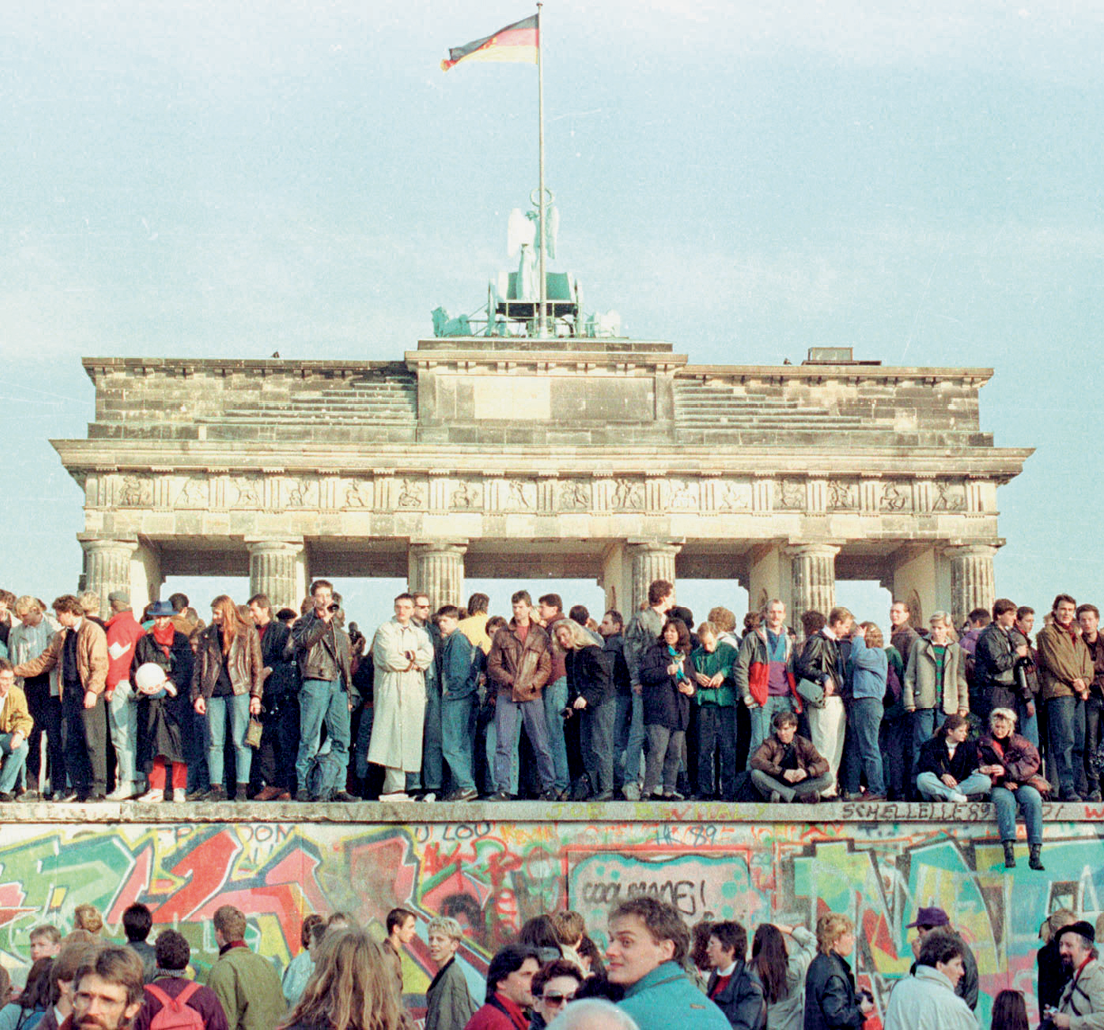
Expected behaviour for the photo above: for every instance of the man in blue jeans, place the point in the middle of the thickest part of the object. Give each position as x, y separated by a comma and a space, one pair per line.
323, 651
459, 677
642, 632
15, 727
518, 668
554, 696
1065, 672
766, 649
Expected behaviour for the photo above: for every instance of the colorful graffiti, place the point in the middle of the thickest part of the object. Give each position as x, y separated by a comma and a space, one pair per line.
493, 875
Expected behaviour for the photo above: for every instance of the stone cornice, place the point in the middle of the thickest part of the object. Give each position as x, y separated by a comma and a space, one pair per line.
981, 462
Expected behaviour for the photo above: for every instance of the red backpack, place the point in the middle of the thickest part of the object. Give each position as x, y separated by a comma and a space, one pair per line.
175, 1014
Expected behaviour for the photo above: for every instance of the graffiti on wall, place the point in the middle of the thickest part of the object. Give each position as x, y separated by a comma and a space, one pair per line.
492, 876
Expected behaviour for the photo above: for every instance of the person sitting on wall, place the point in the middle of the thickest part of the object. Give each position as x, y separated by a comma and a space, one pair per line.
15, 727
786, 767
948, 769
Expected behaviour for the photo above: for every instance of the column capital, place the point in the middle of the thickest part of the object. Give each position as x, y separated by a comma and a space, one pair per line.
812, 550
270, 545
92, 543
655, 544
973, 550
439, 546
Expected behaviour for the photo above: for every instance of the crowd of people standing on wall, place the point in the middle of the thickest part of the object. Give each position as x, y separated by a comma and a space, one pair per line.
456, 704
655, 972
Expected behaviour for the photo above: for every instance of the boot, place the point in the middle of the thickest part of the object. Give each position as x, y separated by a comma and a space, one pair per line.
1009, 854
241, 794
1034, 860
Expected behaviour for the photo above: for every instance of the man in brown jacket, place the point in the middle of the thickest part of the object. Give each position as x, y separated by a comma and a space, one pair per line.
79, 652
786, 767
519, 666
1065, 672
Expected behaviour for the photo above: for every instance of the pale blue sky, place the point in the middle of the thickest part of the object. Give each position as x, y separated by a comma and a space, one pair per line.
920, 182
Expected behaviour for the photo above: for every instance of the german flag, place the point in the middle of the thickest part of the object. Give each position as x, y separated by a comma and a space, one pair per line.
517, 42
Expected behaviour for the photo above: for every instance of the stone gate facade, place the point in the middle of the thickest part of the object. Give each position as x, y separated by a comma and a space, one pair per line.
520, 458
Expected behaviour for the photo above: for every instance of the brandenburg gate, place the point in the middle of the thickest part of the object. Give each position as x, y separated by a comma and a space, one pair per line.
524, 458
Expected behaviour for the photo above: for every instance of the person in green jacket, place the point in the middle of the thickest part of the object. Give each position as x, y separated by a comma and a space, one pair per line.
648, 946
245, 983
713, 663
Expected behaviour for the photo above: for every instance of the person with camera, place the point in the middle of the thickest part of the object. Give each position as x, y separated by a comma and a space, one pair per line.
402, 652
1082, 1004
325, 673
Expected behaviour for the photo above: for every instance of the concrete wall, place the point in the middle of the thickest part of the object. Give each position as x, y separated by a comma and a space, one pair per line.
494, 872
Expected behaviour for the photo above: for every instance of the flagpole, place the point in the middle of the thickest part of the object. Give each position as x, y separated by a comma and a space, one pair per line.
542, 321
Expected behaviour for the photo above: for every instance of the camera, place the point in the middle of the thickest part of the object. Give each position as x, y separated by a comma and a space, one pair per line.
567, 713
335, 607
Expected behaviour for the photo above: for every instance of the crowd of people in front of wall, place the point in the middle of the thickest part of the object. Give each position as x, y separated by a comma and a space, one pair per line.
655, 973
456, 704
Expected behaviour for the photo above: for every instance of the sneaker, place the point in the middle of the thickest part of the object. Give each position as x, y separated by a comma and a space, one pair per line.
429, 795
501, 795
398, 795
552, 795
65, 797
873, 797
810, 798
673, 795
775, 797
344, 797
605, 795
93, 799
151, 797
958, 797
179, 795
470, 794
631, 791
6, 798
123, 792
214, 795
302, 795
30, 796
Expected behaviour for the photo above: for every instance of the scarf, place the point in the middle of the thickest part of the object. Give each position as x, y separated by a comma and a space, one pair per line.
164, 638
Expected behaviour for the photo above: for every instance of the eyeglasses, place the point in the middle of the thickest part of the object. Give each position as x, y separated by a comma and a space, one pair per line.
557, 999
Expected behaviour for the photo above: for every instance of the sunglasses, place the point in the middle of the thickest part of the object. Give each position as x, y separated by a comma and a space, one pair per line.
558, 999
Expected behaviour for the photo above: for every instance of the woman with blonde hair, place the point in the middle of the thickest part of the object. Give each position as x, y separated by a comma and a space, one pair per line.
592, 696
353, 987
831, 1002
227, 680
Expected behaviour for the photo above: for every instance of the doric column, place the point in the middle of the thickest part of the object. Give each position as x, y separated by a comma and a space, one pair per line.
437, 569
107, 567
277, 568
972, 583
813, 573
650, 560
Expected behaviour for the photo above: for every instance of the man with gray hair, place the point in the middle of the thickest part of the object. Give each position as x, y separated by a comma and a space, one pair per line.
593, 1014
449, 1004
1082, 1004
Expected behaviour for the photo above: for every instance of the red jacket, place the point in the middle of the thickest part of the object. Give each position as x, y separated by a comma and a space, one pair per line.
498, 1014
123, 634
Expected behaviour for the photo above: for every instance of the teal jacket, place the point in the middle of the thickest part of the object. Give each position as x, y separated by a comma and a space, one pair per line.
721, 660
667, 999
